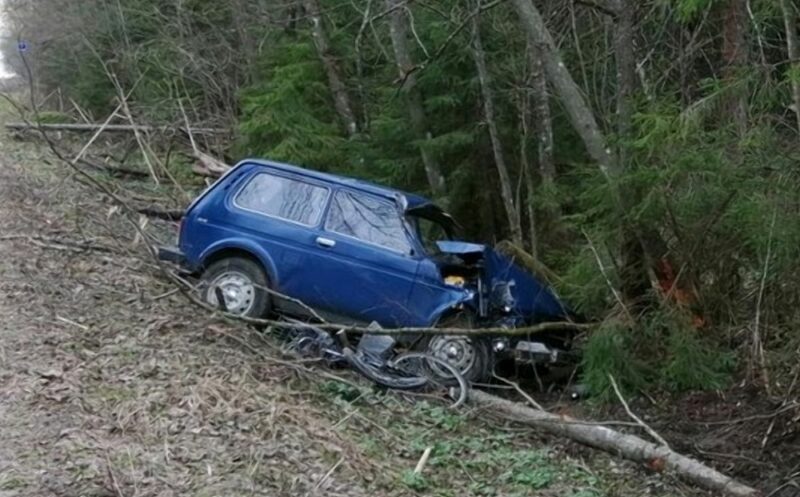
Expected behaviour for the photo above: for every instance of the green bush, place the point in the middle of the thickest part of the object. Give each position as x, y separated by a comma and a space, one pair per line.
611, 351
694, 363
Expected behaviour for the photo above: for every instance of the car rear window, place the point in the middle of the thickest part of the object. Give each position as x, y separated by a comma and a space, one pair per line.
368, 219
283, 198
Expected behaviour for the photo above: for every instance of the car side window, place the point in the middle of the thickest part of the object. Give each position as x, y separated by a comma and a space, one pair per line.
284, 198
368, 219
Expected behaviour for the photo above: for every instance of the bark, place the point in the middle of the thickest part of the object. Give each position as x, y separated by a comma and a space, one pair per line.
578, 110
628, 446
207, 165
634, 267
506, 188
543, 121
398, 30
527, 171
790, 25
539, 118
734, 55
341, 99
626, 71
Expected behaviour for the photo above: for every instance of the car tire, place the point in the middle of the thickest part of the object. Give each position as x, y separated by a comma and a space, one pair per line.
243, 283
471, 356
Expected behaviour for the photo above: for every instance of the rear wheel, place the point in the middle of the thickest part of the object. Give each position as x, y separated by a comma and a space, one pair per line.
242, 284
471, 356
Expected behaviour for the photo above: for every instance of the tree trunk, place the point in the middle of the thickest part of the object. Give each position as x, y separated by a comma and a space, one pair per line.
341, 99
506, 188
537, 94
527, 171
398, 30
578, 110
633, 269
734, 55
543, 121
628, 446
790, 25
626, 72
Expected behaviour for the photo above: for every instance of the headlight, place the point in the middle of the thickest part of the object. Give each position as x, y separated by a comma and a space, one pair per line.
458, 281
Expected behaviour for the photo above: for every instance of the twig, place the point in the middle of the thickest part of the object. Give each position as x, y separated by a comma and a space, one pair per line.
329, 473
758, 346
73, 323
423, 460
755, 417
598, 7
636, 418
112, 128
114, 482
602, 268
165, 294
97, 133
520, 391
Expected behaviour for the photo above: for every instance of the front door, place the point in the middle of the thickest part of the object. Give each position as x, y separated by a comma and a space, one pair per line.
366, 266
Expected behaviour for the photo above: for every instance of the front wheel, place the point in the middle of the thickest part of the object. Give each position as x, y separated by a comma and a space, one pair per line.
471, 356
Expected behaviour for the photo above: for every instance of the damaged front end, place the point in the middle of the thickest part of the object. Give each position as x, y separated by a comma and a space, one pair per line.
506, 296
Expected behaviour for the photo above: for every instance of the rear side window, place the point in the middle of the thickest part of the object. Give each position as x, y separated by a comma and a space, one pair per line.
283, 198
368, 219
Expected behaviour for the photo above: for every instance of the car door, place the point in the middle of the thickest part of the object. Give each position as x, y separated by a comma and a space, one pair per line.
281, 213
367, 265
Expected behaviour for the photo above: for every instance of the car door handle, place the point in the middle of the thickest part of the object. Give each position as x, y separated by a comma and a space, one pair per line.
325, 242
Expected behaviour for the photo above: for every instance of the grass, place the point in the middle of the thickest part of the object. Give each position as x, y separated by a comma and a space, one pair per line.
469, 456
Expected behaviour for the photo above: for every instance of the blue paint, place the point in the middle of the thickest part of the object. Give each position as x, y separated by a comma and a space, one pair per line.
342, 274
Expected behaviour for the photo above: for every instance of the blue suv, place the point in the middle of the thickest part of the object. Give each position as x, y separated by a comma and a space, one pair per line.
356, 252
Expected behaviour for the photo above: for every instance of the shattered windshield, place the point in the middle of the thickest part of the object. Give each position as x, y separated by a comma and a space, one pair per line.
429, 232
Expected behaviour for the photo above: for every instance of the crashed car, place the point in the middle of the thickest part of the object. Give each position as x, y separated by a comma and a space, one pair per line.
275, 238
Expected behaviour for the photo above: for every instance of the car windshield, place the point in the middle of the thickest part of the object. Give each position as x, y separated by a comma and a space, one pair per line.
429, 231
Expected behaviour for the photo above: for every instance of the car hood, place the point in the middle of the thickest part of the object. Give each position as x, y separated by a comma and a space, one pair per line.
534, 299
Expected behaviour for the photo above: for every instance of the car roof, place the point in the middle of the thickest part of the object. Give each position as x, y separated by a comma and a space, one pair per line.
413, 200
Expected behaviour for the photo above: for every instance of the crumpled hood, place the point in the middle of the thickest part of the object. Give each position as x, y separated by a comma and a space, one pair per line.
460, 248
534, 299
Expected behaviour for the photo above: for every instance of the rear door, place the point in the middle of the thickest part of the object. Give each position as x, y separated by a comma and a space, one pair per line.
367, 265
281, 213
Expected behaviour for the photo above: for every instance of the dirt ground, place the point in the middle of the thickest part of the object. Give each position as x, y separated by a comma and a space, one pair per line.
112, 384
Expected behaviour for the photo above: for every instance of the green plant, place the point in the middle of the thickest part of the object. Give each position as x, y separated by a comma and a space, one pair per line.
610, 351
695, 363
414, 481
340, 391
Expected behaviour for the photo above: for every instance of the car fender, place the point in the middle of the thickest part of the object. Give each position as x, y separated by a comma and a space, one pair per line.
451, 299
248, 246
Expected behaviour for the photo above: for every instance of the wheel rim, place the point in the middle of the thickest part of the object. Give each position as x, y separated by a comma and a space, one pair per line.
238, 291
458, 351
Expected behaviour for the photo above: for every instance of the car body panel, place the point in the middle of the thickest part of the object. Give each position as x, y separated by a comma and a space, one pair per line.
341, 274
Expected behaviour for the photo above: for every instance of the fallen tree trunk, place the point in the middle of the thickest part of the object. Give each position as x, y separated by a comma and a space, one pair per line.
628, 446
115, 171
80, 127
159, 213
207, 165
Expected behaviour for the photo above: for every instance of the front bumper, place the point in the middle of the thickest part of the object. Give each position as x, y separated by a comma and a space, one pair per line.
172, 254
